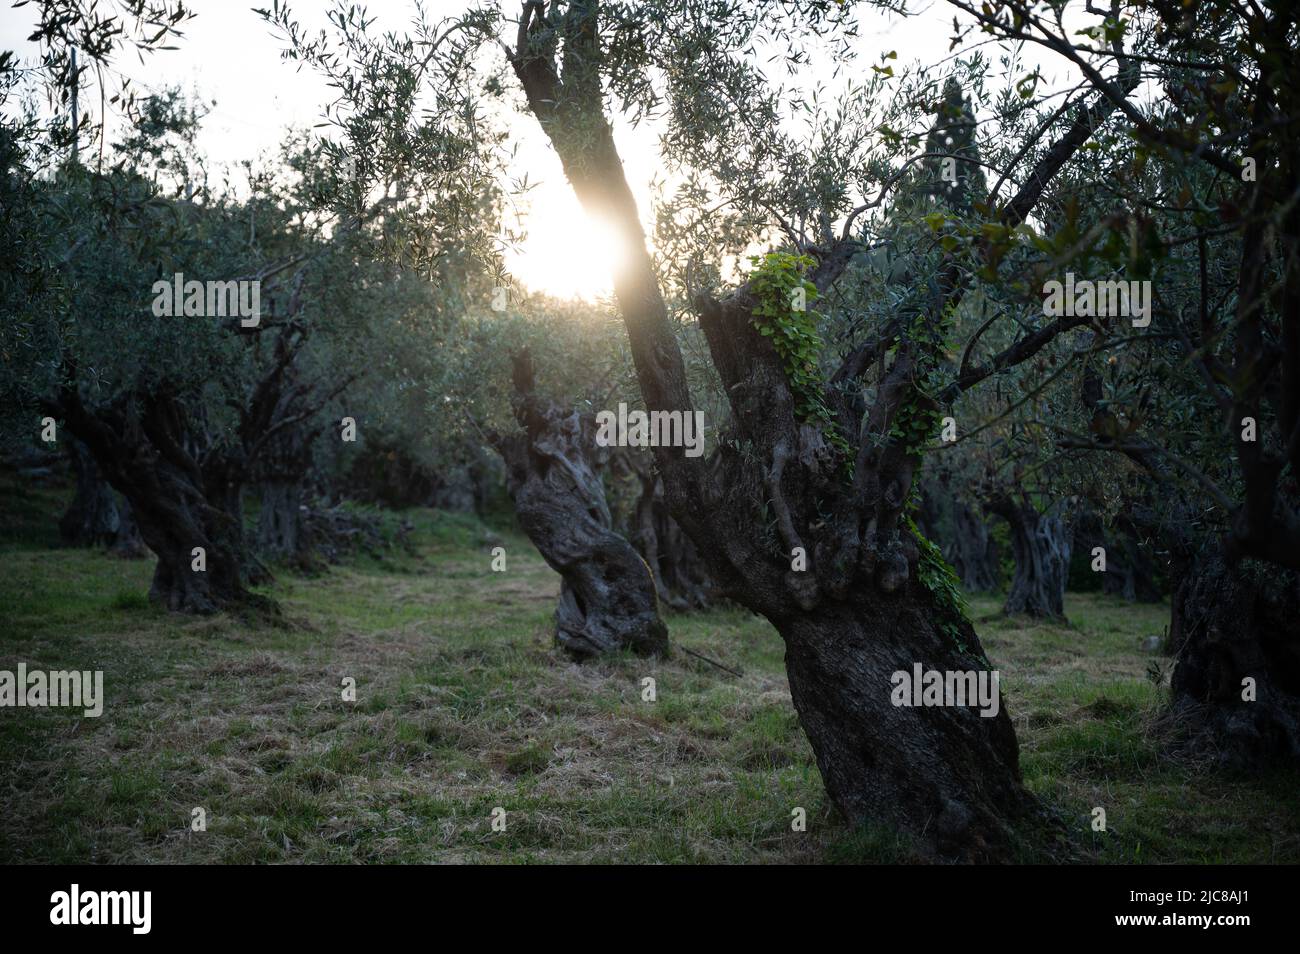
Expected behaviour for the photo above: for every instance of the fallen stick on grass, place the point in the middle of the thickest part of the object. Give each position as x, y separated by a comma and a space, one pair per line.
712, 662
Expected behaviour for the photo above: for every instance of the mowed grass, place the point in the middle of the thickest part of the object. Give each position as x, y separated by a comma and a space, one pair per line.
463, 707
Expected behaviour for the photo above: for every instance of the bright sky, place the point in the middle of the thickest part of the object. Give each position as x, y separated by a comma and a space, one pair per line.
229, 55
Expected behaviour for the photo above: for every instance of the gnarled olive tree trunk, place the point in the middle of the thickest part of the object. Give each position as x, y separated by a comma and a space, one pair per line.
279, 521
128, 544
806, 530
1041, 545
98, 515
1235, 634
680, 574
141, 446
607, 595
948, 773
92, 518
282, 470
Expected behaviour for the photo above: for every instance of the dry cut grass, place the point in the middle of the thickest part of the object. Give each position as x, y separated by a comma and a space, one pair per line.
463, 706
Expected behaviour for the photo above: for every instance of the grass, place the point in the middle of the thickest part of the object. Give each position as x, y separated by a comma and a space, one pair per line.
463, 706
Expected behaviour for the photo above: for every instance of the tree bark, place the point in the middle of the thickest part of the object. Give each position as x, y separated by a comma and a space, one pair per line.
1231, 623
128, 544
1040, 544
279, 522
224, 474
945, 773
607, 595
140, 445
174, 527
680, 574
282, 470
92, 518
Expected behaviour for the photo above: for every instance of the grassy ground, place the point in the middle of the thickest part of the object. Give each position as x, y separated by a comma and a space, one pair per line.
463, 707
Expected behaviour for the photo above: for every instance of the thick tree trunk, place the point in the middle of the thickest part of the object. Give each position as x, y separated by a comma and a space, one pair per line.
98, 515
945, 772
128, 544
1231, 624
92, 518
607, 595
680, 575
1040, 544
139, 445
279, 522
973, 552
282, 470
173, 530
223, 481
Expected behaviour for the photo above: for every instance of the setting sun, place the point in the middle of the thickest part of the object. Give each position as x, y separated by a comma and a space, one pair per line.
567, 253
